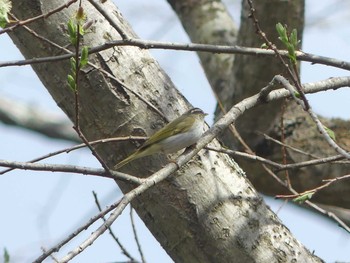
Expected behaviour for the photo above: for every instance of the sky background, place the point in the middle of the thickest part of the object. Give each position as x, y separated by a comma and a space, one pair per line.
40, 208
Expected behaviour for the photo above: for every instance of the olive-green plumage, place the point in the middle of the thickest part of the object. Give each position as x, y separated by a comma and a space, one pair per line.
176, 135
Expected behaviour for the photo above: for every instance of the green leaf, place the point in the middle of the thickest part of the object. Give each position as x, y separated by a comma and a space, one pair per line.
84, 56
291, 49
71, 82
294, 38
291, 42
279, 29
81, 30
72, 31
282, 32
5, 8
291, 53
71, 27
263, 45
73, 64
330, 132
301, 199
6, 256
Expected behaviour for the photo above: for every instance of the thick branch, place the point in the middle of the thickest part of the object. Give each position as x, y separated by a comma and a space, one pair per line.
31, 118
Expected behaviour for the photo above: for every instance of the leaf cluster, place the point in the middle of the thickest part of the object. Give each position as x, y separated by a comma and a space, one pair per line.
290, 41
5, 7
75, 28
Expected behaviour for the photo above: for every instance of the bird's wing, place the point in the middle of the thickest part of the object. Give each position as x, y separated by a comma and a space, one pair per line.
176, 126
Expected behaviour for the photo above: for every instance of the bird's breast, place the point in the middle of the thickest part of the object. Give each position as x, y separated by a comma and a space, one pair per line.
182, 140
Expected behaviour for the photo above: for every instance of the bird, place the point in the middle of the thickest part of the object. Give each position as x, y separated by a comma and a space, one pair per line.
180, 133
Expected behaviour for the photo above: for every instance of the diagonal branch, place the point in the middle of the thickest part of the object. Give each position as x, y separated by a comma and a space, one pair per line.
34, 119
71, 169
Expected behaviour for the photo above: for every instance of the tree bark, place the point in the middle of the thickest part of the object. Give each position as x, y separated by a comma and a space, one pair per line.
208, 211
234, 78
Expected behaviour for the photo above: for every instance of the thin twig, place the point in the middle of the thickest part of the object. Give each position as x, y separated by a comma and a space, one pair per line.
267, 137
136, 236
319, 160
79, 146
309, 203
76, 99
123, 249
316, 120
71, 169
108, 74
283, 149
151, 44
232, 127
281, 206
316, 189
328, 138
278, 167
110, 19
310, 163
247, 156
57, 247
32, 19
51, 255
293, 75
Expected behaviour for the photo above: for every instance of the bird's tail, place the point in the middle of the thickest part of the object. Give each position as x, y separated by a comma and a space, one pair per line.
126, 160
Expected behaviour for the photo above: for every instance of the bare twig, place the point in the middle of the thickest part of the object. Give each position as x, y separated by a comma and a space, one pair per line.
76, 98
123, 249
71, 169
310, 163
108, 74
267, 137
232, 127
75, 233
150, 44
329, 215
325, 134
79, 146
309, 203
110, 19
136, 236
278, 167
248, 156
283, 149
51, 255
316, 189
293, 75
319, 160
42, 16
314, 117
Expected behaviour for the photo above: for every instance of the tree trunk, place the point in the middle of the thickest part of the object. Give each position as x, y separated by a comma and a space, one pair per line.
208, 211
234, 78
